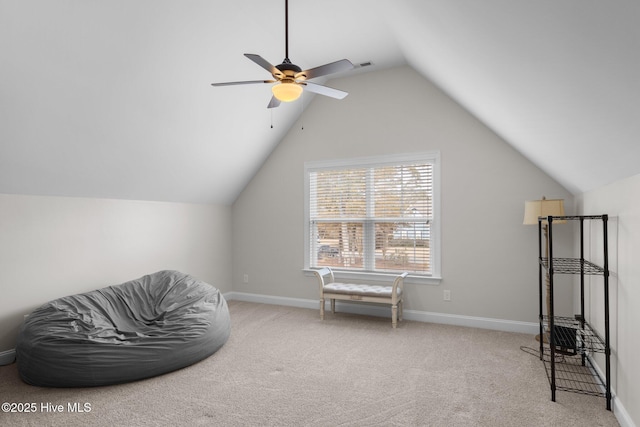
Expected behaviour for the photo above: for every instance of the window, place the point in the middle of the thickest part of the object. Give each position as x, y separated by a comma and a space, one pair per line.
376, 215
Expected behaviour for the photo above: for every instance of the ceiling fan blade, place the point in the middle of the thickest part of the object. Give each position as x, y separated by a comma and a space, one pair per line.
248, 82
275, 102
325, 90
264, 64
323, 70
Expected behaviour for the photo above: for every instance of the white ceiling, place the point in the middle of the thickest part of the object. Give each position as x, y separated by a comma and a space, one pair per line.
113, 98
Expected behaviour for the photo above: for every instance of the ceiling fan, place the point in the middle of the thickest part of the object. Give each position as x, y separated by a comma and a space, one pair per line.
290, 80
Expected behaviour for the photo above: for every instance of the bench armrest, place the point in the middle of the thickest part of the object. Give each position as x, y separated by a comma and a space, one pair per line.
321, 273
398, 283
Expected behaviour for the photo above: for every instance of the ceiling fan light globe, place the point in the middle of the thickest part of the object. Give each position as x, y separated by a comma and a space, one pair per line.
286, 92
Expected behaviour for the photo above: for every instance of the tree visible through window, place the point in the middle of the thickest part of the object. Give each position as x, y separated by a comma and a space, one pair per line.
372, 216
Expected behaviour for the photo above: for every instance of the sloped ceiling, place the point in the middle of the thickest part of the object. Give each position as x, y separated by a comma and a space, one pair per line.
113, 98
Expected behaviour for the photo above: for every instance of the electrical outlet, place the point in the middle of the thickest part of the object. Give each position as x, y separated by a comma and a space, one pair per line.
446, 295
245, 278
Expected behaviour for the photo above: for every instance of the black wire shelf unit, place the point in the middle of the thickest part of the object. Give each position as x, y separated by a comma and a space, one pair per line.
572, 341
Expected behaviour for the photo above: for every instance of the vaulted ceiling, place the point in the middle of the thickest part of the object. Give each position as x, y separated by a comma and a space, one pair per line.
112, 98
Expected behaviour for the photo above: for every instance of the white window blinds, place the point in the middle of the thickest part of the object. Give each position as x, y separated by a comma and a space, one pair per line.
374, 217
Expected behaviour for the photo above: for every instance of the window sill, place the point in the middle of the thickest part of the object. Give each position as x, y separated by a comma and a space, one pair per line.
369, 276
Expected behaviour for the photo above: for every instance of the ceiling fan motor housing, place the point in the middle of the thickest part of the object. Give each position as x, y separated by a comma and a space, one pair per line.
288, 70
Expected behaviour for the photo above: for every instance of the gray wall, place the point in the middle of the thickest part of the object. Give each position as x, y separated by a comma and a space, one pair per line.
56, 246
488, 256
620, 201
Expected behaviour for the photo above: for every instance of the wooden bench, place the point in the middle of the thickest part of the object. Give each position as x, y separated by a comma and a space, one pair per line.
330, 289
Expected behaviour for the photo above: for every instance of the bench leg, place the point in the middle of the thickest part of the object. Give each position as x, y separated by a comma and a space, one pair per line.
400, 309
333, 306
394, 316
321, 308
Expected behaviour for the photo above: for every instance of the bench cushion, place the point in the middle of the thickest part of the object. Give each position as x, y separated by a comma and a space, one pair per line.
360, 289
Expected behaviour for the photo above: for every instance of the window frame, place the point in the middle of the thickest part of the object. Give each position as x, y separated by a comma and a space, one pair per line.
432, 157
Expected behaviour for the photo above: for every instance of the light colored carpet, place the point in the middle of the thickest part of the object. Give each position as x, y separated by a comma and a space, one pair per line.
282, 366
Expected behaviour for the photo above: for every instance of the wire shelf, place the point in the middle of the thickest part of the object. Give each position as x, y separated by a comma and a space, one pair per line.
572, 266
572, 217
574, 375
583, 338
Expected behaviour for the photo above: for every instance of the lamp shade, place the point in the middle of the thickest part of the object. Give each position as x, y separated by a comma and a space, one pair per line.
287, 91
537, 208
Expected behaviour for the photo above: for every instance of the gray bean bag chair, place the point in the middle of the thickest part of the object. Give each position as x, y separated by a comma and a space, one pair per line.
142, 328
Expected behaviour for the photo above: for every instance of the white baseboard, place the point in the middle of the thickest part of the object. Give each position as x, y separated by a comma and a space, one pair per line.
473, 322
383, 311
621, 413
268, 299
618, 408
7, 357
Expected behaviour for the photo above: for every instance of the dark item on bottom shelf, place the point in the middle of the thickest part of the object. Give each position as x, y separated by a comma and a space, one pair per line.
564, 339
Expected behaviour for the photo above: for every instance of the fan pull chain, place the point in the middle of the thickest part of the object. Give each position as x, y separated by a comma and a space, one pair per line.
271, 111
